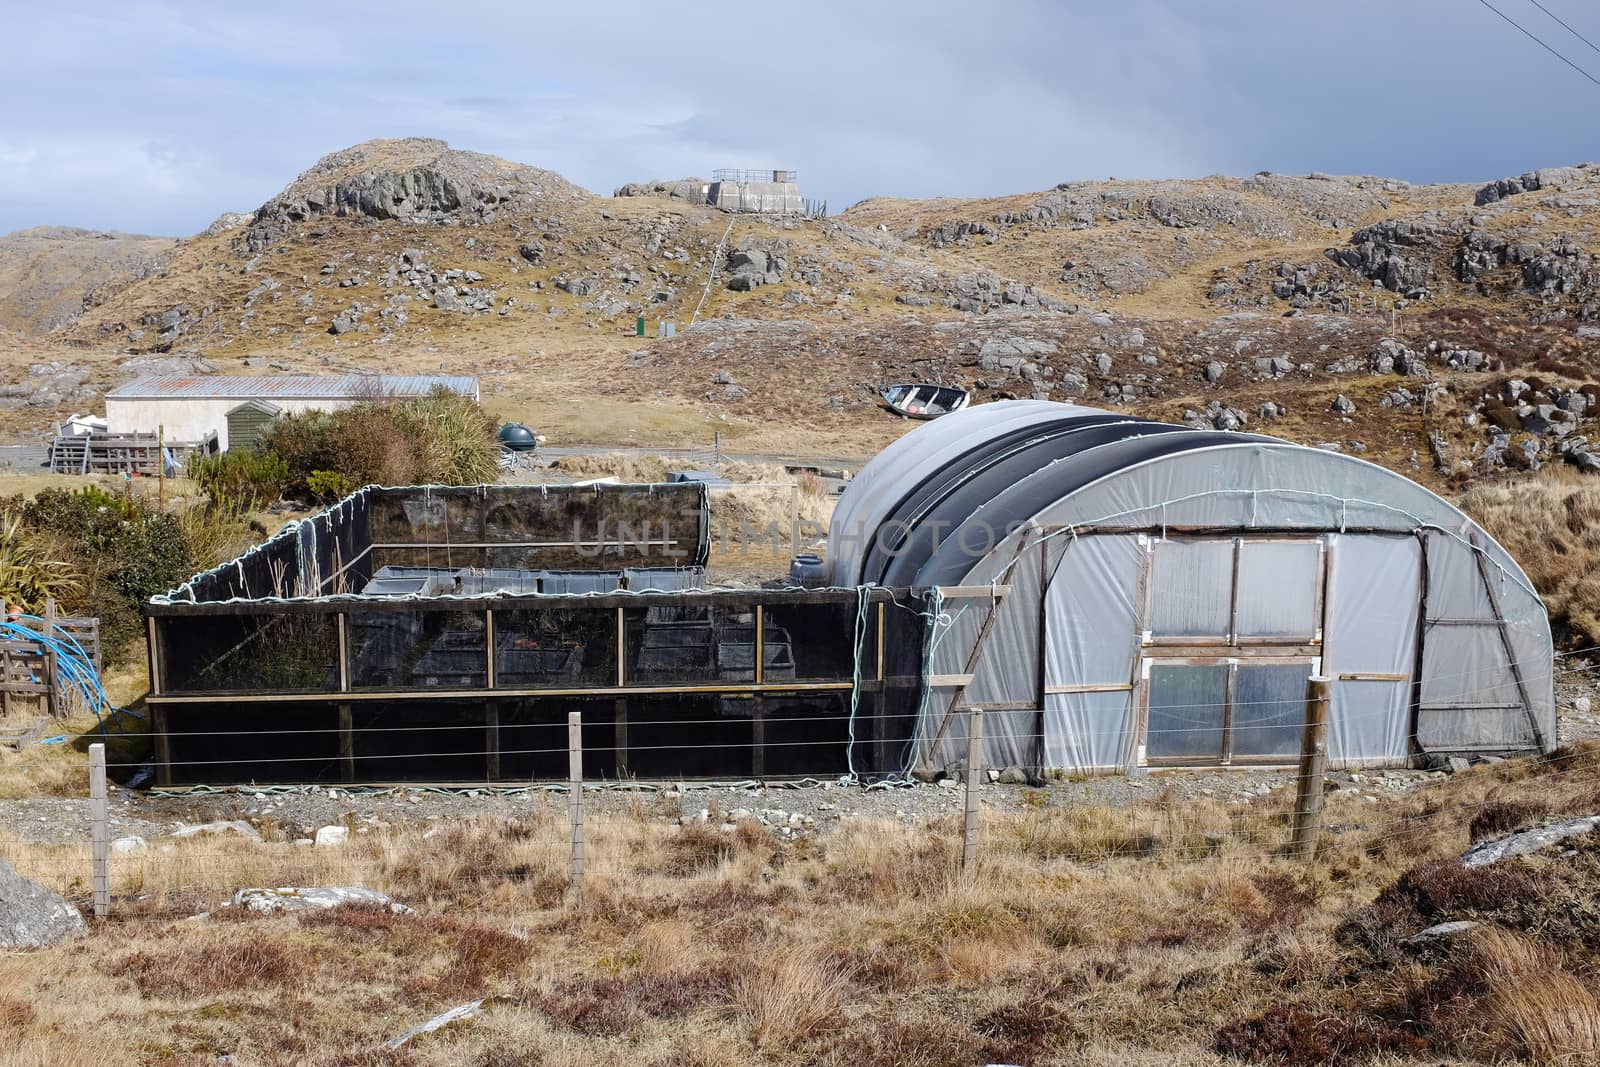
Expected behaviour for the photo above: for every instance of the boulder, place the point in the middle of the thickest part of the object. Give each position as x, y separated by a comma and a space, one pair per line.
133, 843
329, 836
1489, 853
32, 916
1442, 932
207, 829
290, 898
1343, 405
585, 286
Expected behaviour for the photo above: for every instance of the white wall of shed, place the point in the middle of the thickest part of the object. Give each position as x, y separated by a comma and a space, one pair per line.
188, 419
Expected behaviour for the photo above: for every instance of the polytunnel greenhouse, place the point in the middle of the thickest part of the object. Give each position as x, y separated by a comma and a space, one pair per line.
1163, 595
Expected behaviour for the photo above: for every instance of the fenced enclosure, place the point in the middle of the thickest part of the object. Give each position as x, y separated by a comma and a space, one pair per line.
444, 634
696, 683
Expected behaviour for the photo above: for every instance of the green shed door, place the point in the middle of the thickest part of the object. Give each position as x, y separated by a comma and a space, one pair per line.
248, 422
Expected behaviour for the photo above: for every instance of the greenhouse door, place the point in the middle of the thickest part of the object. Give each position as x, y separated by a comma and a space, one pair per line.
1233, 631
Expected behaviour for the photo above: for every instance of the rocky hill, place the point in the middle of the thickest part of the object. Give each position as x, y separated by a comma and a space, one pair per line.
1446, 330
49, 274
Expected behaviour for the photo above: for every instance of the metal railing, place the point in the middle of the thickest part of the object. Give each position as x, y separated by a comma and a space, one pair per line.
734, 174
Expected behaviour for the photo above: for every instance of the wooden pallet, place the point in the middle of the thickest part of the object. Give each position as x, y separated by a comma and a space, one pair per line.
128, 453
27, 675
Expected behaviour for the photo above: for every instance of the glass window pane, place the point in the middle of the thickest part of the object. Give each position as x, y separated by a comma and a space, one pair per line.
1191, 588
1278, 589
1269, 707
1187, 708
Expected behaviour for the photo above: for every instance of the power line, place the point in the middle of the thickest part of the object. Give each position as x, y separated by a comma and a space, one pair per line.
1566, 25
1529, 34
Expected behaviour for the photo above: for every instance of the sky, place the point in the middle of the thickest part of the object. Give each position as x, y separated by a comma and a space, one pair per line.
155, 117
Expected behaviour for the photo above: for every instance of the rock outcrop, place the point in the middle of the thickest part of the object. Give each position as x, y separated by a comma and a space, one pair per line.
414, 180
32, 916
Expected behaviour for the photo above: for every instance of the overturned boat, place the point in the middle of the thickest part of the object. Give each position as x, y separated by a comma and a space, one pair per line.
924, 401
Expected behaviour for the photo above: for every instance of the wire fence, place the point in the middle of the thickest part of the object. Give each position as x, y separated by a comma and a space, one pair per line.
271, 849
258, 842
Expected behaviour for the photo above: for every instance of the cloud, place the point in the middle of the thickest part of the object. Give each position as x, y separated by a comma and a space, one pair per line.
157, 116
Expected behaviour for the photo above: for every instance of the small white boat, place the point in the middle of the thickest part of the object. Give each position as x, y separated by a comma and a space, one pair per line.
924, 401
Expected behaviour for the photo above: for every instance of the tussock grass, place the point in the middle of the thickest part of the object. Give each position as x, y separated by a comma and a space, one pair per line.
1551, 524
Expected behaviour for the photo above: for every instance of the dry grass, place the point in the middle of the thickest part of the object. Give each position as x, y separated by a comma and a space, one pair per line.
1551, 524
1166, 932
1533, 1006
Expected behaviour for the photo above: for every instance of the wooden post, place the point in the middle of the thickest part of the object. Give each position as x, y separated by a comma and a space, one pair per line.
969, 837
5, 682
794, 519
52, 704
621, 742
1313, 760
758, 702
161, 465
347, 744
575, 793
158, 724
100, 830
491, 727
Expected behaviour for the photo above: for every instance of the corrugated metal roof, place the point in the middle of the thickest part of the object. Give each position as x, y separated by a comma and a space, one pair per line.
291, 386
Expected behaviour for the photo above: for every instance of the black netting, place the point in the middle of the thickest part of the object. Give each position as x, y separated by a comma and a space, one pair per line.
600, 527
693, 641
410, 648
557, 648
248, 653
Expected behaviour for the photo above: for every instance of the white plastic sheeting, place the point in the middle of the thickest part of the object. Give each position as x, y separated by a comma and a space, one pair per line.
1193, 580
1091, 619
1374, 586
1190, 505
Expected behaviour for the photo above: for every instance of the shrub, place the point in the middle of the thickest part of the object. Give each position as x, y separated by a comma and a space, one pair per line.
305, 443
122, 551
252, 479
1498, 817
28, 575
328, 486
462, 446
442, 438
213, 968
1291, 1035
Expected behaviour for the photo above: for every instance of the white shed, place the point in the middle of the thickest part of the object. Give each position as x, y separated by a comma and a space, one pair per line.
189, 407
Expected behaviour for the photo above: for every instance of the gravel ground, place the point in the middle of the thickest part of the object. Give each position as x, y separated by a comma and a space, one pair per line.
297, 813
